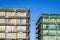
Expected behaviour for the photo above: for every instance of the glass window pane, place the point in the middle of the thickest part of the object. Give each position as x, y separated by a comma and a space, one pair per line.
52, 20
45, 37
45, 20
58, 32
52, 27
11, 21
21, 28
2, 20
58, 20
52, 32
52, 37
21, 35
10, 14
47, 26
10, 28
11, 35
45, 32
2, 28
21, 21
2, 35
58, 38
44, 26
2, 13
20, 14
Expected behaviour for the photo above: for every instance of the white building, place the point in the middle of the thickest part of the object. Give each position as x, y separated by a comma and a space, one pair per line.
14, 24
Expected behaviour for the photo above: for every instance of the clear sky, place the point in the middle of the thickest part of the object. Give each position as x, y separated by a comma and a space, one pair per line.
37, 7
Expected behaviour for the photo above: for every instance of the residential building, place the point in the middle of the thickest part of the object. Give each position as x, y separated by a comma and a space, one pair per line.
48, 26
14, 24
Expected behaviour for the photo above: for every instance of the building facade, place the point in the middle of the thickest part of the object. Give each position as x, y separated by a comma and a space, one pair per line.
14, 24
48, 26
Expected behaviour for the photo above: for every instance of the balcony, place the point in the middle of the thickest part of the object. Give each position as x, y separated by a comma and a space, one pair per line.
17, 17
17, 31
23, 35
9, 24
11, 35
2, 35
51, 21
49, 37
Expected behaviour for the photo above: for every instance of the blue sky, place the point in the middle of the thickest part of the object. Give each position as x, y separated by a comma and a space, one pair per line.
37, 7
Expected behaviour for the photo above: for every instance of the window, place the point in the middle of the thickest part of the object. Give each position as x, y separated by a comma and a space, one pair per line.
58, 38
58, 20
45, 20
2, 28
11, 21
47, 26
52, 20
59, 26
2, 13
59, 32
21, 28
22, 35
2, 20
52, 27
20, 14
44, 26
10, 14
2, 35
10, 28
52, 37
21, 21
52, 32
45, 32
11, 35
45, 37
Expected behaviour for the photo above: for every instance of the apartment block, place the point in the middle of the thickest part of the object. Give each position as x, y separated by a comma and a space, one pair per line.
14, 24
48, 27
